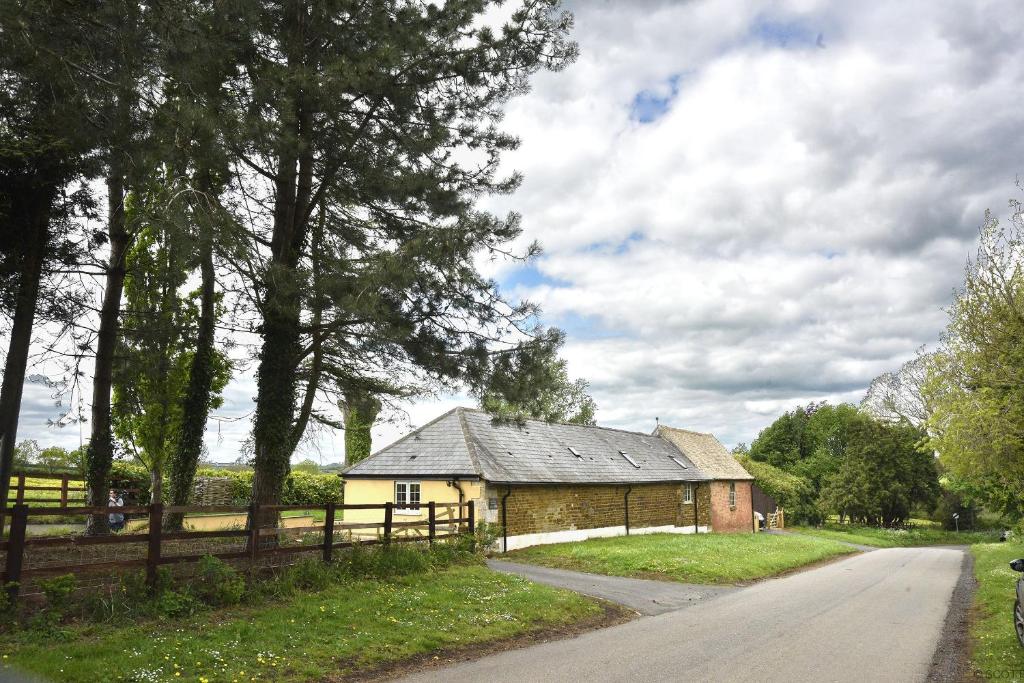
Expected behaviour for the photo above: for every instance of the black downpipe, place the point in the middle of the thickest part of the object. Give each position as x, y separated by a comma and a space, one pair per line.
629, 489
462, 496
696, 515
504, 519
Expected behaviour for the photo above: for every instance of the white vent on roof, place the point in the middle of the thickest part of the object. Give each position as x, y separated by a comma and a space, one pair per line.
573, 451
630, 460
679, 462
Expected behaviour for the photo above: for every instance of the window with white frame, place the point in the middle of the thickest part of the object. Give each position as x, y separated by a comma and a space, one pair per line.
688, 494
407, 493
732, 494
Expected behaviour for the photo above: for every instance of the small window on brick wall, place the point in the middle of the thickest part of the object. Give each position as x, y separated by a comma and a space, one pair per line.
688, 494
732, 494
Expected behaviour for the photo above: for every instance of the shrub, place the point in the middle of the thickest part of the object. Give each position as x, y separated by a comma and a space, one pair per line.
792, 492
217, 583
57, 591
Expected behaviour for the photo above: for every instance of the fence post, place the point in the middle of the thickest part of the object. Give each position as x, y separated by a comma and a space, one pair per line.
156, 522
431, 521
389, 509
15, 550
21, 489
64, 491
471, 516
329, 532
254, 533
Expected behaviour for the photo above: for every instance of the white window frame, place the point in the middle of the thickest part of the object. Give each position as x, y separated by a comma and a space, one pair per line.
408, 490
732, 494
688, 494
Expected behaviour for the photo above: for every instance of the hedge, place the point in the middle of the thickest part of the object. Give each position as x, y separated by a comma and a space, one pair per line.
300, 488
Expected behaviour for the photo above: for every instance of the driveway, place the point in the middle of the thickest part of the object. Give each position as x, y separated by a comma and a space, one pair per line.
872, 617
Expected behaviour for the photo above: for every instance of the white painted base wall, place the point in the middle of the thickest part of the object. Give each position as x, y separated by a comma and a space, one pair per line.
571, 535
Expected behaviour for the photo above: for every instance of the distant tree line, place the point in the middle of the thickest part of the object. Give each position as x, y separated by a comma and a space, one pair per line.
820, 460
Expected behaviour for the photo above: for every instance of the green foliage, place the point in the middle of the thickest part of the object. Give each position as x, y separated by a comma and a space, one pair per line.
975, 383
537, 386
307, 466
883, 474
156, 346
808, 442
300, 488
126, 474
217, 583
57, 590
790, 491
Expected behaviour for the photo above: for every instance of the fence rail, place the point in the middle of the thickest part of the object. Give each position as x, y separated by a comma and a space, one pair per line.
261, 539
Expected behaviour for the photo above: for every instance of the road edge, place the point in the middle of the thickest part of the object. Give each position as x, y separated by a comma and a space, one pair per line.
952, 658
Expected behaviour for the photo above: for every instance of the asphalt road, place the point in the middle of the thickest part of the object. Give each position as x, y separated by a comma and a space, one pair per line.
646, 597
872, 617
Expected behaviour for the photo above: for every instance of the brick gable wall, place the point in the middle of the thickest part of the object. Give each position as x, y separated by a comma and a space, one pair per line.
731, 518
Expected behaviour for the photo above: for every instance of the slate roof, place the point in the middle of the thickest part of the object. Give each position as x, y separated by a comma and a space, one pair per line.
465, 442
706, 452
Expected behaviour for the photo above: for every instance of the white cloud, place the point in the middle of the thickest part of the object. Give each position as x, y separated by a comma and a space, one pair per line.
750, 205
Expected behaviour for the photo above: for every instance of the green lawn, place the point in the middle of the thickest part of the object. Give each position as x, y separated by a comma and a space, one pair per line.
310, 636
896, 538
701, 558
996, 654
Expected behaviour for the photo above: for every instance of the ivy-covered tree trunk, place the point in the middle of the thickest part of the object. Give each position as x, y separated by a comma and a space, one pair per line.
100, 452
276, 395
29, 214
360, 410
196, 403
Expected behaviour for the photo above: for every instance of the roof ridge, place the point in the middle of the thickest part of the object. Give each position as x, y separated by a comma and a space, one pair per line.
470, 448
688, 431
566, 424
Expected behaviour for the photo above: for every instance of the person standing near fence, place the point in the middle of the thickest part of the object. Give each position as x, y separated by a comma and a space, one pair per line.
116, 519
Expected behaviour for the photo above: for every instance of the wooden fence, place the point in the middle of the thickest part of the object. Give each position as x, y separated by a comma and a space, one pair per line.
71, 490
259, 541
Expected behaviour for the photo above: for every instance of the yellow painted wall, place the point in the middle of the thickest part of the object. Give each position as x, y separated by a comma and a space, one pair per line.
362, 491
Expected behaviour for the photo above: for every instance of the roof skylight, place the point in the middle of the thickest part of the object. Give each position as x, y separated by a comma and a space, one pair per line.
573, 451
680, 462
630, 460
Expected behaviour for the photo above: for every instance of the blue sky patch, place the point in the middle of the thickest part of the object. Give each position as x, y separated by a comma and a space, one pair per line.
650, 105
786, 34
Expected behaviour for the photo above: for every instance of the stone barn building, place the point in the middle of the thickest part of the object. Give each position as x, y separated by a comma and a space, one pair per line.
551, 483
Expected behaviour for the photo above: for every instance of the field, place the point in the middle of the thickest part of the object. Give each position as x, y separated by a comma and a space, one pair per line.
701, 558
896, 538
354, 626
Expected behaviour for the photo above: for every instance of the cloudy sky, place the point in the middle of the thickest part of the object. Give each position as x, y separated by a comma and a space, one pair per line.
744, 206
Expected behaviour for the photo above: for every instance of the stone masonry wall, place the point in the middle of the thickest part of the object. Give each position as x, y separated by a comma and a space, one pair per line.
542, 509
728, 518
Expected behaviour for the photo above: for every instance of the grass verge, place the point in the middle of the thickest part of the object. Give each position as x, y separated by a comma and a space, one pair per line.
351, 627
896, 538
996, 654
701, 558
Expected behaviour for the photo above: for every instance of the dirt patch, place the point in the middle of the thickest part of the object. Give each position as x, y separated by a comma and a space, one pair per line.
611, 615
952, 658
